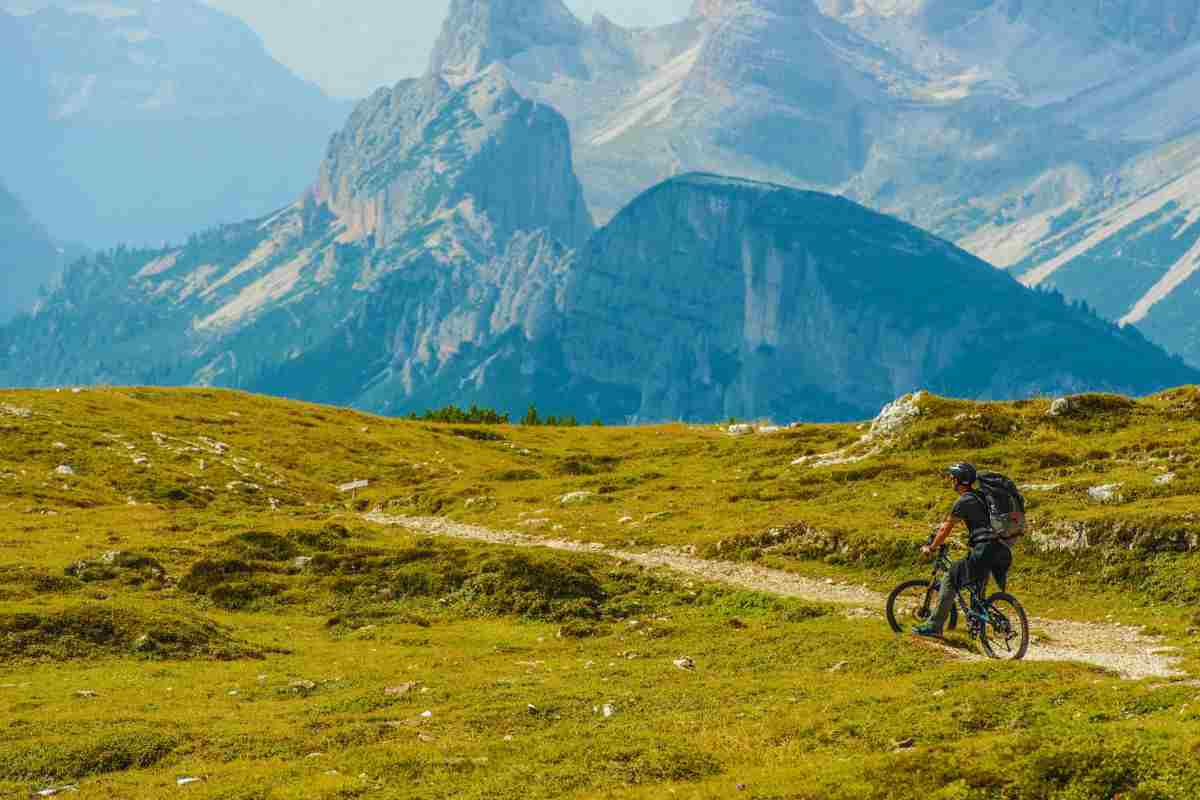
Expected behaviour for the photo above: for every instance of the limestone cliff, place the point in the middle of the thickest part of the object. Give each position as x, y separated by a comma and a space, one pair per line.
710, 297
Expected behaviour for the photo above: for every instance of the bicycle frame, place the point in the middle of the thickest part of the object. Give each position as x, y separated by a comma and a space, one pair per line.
977, 612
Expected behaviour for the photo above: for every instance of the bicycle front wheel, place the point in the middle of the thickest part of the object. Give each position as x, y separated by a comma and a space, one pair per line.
910, 603
1005, 633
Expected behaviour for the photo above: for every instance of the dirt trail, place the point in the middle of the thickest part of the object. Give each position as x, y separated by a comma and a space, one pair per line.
1121, 648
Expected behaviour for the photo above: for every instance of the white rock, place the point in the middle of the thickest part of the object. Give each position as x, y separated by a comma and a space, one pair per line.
63, 469
685, 663
608, 710
1163, 480
624, 520
481, 502
767, 429
16, 411
1060, 406
1108, 493
741, 429
300, 562
896, 414
60, 445
575, 498
426, 714
185, 781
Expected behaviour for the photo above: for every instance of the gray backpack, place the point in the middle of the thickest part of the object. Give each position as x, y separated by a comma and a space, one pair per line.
1006, 505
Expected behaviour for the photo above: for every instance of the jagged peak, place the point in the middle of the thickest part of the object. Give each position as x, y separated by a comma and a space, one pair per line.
711, 9
478, 33
719, 9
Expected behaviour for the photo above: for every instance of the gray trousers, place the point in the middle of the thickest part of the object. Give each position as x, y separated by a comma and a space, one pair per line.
990, 559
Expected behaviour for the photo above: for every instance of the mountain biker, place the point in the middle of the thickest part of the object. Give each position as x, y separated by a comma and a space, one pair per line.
988, 554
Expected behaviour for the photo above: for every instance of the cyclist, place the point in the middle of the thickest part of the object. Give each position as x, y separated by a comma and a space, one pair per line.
988, 554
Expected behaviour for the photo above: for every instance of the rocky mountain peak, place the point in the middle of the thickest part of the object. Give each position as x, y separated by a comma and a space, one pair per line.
718, 9
709, 9
477, 33
425, 149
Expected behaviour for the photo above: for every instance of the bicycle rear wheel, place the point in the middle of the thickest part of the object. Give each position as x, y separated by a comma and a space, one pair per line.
1005, 634
912, 603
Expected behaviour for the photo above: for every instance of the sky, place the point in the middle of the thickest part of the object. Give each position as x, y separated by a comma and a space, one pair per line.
352, 47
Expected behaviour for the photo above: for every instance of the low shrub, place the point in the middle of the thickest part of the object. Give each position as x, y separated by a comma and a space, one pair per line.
93, 630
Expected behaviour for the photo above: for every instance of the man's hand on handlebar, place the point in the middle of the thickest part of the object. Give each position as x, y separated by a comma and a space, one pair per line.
928, 548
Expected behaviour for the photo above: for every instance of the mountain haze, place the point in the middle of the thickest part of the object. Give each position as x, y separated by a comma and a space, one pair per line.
28, 259
141, 121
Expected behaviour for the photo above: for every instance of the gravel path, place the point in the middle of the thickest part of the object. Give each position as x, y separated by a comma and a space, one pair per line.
1120, 648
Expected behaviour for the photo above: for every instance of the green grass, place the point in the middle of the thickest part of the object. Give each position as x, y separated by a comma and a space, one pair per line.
239, 622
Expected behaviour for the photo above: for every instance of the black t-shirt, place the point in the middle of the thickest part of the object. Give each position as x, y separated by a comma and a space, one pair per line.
972, 509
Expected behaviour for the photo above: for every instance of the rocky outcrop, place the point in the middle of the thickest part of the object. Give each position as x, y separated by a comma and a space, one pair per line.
424, 149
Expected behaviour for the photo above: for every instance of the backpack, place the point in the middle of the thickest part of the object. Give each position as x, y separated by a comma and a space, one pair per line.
1003, 501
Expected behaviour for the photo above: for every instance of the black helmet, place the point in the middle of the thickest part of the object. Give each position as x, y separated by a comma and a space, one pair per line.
964, 473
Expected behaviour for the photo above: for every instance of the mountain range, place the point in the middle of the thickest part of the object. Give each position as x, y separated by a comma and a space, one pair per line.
445, 253
1016, 128
139, 122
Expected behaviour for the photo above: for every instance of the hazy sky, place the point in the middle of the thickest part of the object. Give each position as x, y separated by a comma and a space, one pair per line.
351, 47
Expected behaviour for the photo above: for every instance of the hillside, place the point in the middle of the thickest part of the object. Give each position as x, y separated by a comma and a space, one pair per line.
190, 603
711, 297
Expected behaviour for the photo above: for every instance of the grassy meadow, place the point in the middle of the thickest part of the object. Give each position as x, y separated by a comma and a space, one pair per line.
189, 605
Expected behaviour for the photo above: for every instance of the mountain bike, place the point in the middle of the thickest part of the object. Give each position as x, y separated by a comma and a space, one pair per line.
998, 621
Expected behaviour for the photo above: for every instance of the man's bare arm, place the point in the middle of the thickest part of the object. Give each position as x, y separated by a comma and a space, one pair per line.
943, 533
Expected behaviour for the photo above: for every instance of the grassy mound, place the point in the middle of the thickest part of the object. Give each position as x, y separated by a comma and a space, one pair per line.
93, 630
42, 761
